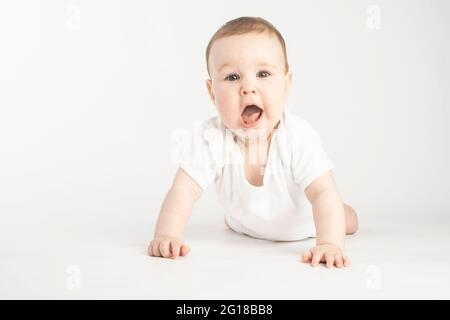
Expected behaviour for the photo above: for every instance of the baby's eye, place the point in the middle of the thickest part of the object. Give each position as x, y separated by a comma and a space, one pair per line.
263, 74
232, 77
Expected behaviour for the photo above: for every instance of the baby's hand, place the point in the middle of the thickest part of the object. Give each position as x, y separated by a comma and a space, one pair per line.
330, 254
167, 247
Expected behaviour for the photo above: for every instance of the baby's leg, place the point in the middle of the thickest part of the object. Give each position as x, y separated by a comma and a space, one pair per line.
351, 220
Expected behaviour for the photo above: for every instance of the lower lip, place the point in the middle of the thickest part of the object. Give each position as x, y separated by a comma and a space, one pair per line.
248, 126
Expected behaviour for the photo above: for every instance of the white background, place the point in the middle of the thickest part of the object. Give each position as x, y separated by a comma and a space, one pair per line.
91, 91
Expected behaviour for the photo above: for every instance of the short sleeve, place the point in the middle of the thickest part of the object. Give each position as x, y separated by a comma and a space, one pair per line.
194, 156
309, 159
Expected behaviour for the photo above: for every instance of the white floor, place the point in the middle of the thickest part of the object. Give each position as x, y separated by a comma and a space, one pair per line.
71, 261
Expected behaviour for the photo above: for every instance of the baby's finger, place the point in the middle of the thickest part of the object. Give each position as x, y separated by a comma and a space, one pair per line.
329, 260
164, 248
317, 256
155, 249
184, 250
175, 248
346, 261
150, 249
306, 257
338, 261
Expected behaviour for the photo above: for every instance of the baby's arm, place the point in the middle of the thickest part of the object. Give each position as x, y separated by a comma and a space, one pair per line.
329, 218
175, 212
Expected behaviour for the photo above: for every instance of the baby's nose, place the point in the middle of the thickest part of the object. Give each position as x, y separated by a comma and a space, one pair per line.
247, 90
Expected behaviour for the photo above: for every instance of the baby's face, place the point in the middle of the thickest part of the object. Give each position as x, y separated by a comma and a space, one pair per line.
249, 83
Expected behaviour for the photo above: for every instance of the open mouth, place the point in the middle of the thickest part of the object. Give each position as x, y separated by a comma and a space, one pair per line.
251, 115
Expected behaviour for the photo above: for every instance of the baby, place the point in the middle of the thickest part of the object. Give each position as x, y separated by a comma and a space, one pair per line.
279, 185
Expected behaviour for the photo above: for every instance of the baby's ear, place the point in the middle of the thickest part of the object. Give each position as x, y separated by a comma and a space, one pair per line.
288, 82
209, 87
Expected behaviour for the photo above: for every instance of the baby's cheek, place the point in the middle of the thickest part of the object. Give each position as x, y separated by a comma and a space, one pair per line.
227, 114
276, 101
227, 104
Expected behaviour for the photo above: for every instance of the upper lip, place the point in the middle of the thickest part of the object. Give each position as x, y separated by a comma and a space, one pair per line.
250, 104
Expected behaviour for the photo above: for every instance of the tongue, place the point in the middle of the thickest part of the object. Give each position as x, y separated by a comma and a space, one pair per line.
251, 114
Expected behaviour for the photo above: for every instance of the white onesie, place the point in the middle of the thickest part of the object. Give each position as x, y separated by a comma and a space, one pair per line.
279, 209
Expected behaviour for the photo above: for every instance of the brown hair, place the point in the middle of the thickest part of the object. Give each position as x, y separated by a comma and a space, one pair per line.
244, 25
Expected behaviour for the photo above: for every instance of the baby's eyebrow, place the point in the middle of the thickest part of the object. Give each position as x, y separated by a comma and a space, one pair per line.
266, 64
223, 66
261, 64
